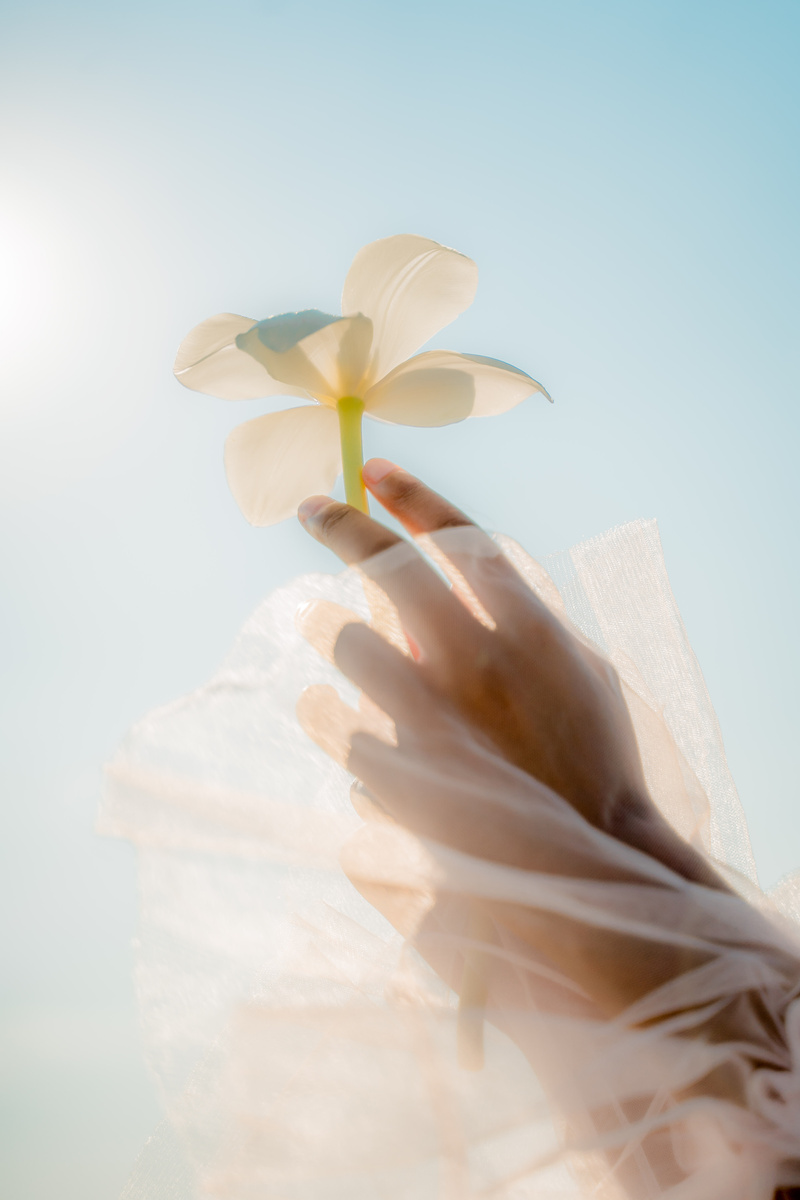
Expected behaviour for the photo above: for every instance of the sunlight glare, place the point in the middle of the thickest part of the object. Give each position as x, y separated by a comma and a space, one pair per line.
27, 285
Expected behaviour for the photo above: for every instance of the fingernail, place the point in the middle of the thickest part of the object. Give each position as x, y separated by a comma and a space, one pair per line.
310, 507
376, 470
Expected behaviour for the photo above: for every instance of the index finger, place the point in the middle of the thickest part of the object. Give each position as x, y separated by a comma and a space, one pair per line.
434, 617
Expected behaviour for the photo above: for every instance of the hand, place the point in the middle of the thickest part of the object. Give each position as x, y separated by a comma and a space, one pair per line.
514, 745
528, 688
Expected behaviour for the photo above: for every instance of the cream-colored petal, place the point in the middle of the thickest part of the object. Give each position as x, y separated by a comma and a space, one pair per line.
278, 460
411, 288
418, 394
497, 386
282, 332
328, 360
209, 361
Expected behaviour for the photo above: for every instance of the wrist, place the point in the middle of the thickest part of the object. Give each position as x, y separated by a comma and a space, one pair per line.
635, 820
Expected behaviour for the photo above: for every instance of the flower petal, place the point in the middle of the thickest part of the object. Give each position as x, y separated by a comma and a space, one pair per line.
208, 361
497, 386
411, 288
418, 394
324, 355
275, 461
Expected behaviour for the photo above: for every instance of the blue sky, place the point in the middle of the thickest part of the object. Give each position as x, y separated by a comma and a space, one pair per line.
626, 176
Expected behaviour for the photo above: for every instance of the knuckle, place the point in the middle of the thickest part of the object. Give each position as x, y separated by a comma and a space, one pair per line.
412, 495
408, 491
332, 518
452, 519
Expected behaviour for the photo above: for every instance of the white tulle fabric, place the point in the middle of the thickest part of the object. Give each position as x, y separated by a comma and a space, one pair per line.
305, 1049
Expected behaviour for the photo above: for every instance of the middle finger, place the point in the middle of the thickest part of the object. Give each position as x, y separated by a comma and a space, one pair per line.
434, 617
485, 580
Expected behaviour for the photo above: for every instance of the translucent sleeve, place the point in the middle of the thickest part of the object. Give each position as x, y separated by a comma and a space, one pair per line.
300, 956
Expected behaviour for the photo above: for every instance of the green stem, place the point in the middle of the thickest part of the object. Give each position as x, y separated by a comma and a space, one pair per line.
350, 409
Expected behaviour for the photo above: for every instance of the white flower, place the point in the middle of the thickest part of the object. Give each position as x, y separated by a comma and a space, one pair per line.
398, 293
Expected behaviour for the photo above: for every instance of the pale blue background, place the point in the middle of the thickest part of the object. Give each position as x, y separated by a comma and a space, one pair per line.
626, 177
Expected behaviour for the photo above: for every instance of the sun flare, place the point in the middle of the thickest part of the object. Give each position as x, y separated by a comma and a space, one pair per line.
27, 282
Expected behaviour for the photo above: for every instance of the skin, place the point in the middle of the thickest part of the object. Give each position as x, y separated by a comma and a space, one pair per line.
530, 707
538, 696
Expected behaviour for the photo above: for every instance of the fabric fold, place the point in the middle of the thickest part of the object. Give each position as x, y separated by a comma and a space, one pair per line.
298, 964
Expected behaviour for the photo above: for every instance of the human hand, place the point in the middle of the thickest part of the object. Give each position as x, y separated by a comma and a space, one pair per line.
514, 745
529, 688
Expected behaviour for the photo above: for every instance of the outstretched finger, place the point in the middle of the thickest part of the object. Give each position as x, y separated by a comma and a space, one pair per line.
417, 507
483, 578
436, 620
389, 677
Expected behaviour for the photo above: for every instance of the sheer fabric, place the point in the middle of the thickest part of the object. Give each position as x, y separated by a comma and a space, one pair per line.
300, 955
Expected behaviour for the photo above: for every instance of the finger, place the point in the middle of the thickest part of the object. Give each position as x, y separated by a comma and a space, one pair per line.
420, 796
332, 724
482, 806
374, 715
481, 575
391, 680
436, 620
388, 681
350, 534
417, 507
321, 621
423, 511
